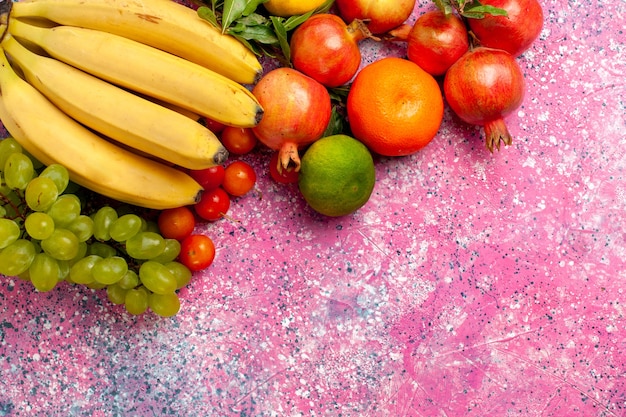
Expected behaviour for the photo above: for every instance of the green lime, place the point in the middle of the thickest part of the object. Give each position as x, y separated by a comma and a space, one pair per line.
337, 175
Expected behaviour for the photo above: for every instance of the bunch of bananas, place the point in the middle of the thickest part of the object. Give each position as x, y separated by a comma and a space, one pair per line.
113, 90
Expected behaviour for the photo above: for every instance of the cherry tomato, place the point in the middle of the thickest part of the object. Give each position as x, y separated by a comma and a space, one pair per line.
213, 205
238, 140
286, 176
197, 252
209, 178
176, 223
214, 126
239, 178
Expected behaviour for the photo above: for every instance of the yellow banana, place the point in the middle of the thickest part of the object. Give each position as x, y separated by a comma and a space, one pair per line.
52, 136
166, 25
119, 114
146, 70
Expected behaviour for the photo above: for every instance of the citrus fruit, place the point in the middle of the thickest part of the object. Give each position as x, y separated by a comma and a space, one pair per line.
394, 107
337, 175
286, 8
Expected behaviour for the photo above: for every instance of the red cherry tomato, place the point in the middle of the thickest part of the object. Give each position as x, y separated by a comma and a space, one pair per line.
209, 178
239, 178
197, 252
238, 140
214, 126
176, 223
286, 176
213, 205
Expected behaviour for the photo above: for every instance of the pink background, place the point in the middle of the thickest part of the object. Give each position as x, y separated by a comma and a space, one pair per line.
470, 284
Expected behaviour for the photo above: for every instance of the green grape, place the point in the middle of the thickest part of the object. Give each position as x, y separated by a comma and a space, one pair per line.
24, 276
125, 227
102, 221
82, 227
3, 211
170, 252
41, 193
157, 278
82, 252
116, 294
39, 225
57, 173
180, 272
9, 232
95, 285
36, 245
17, 257
164, 305
145, 245
65, 210
44, 272
8, 146
80, 272
64, 269
109, 270
136, 300
102, 249
18, 171
129, 281
62, 245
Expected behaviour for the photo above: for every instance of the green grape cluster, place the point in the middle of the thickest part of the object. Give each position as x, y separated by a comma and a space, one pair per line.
46, 238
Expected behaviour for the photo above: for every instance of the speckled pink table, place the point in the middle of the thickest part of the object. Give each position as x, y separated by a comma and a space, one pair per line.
469, 285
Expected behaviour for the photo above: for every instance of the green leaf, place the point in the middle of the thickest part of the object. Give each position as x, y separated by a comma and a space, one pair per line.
252, 6
236, 9
258, 33
254, 19
208, 15
324, 7
232, 11
294, 21
339, 94
336, 125
444, 6
281, 34
479, 11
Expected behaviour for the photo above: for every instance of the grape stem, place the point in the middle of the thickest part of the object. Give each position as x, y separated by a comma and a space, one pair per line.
17, 208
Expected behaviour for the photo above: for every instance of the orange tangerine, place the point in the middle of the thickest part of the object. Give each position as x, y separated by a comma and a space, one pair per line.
394, 107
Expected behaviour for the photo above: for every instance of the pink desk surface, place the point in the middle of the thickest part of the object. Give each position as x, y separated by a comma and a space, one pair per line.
469, 285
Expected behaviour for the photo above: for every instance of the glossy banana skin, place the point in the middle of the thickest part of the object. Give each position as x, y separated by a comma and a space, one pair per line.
119, 114
164, 24
51, 136
144, 69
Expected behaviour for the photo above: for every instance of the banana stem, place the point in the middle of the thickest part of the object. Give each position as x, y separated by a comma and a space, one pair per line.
5, 11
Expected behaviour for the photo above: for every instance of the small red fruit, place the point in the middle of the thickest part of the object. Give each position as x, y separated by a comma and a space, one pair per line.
297, 112
176, 223
213, 205
285, 176
209, 178
238, 140
239, 178
327, 49
436, 41
197, 252
381, 15
514, 32
482, 88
